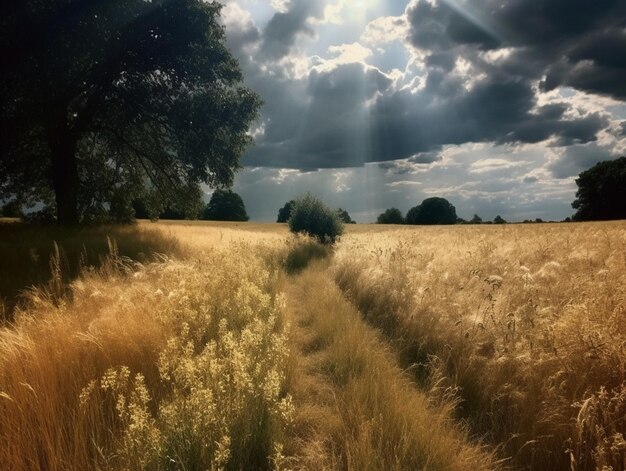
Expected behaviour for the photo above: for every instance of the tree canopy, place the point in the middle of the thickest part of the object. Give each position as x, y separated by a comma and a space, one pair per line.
104, 99
432, 211
601, 192
344, 216
225, 205
284, 213
11, 209
312, 217
391, 216
499, 220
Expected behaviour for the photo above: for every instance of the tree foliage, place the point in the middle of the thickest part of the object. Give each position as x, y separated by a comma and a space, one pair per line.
601, 192
106, 98
225, 205
432, 211
499, 220
312, 217
391, 216
11, 209
476, 219
284, 213
344, 216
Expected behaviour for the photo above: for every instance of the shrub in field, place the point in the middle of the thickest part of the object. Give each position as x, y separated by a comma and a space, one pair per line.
312, 217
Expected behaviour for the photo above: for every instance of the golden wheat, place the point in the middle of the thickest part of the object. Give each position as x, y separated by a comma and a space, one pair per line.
524, 324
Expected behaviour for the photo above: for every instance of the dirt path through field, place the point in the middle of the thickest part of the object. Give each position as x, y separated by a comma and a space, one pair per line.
355, 408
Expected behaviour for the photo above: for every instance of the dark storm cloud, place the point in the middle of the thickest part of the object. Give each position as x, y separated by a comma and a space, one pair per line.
283, 29
439, 27
577, 43
319, 122
424, 158
350, 116
343, 115
496, 110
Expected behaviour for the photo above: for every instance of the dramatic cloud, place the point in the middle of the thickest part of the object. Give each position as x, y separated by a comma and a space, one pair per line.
456, 92
574, 43
283, 29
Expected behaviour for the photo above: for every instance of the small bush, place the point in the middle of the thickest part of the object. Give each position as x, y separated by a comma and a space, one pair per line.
312, 217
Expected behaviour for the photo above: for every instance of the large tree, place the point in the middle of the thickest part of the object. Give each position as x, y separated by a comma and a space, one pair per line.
602, 192
225, 205
432, 211
114, 96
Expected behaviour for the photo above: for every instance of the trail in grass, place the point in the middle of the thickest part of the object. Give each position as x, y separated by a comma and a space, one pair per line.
356, 409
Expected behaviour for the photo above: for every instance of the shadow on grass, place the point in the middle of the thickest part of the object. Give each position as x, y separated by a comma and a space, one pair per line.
302, 251
27, 253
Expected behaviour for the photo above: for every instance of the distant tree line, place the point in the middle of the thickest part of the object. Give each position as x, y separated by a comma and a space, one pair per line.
224, 205
432, 211
284, 213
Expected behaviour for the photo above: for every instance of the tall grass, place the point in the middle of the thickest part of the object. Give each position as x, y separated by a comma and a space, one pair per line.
355, 409
524, 324
31, 254
170, 365
163, 363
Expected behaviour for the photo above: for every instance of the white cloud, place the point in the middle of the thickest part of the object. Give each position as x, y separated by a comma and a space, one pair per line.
280, 6
349, 53
403, 183
490, 165
384, 30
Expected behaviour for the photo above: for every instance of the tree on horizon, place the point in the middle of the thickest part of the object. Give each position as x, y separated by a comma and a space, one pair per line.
284, 213
476, 219
225, 205
345, 216
431, 211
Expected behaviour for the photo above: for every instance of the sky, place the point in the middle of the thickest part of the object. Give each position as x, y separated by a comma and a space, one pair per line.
495, 105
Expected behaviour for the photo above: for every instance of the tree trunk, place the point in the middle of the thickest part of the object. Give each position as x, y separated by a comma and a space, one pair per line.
64, 172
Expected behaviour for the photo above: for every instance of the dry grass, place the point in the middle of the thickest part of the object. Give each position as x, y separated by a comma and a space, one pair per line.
525, 324
172, 365
27, 253
199, 236
183, 362
355, 409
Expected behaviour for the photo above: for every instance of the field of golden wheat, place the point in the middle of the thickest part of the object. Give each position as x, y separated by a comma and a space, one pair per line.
195, 346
